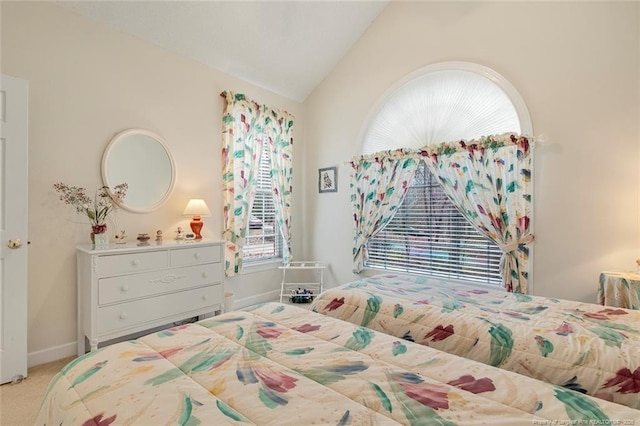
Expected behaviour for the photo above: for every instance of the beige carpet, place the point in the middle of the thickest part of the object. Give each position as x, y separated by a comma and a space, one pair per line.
20, 402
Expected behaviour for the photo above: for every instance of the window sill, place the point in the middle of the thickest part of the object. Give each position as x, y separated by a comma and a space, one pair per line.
372, 271
266, 265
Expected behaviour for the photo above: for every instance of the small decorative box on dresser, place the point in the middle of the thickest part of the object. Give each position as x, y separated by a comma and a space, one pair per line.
130, 288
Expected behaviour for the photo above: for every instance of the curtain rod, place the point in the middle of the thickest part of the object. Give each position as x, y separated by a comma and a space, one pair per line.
223, 94
540, 140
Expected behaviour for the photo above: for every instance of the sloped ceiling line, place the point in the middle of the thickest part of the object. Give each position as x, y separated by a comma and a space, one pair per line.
246, 39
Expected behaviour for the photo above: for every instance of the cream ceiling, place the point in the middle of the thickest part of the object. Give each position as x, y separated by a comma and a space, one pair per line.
287, 47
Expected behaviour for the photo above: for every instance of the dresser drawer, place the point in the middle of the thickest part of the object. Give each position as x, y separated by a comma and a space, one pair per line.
118, 264
148, 284
195, 255
131, 288
152, 311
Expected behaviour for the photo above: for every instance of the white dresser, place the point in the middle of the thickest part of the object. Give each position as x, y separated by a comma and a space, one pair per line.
129, 288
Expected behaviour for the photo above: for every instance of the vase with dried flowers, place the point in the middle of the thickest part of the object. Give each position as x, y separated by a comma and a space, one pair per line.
96, 209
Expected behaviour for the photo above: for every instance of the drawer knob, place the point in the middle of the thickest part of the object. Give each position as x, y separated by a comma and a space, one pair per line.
196, 255
135, 262
204, 297
124, 288
205, 275
123, 316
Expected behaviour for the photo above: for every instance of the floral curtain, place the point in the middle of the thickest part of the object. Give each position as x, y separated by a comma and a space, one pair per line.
489, 180
242, 138
279, 130
245, 127
379, 184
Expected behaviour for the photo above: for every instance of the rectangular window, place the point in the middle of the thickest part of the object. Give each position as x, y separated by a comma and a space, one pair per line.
429, 236
263, 240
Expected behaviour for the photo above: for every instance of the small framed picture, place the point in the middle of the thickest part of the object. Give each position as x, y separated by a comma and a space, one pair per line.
328, 179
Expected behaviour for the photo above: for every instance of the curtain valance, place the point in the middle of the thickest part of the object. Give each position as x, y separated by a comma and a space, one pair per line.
492, 142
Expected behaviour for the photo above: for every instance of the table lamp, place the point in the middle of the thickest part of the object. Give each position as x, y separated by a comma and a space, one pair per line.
197, 208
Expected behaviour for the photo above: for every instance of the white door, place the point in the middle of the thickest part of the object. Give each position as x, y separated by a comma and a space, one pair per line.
14, 112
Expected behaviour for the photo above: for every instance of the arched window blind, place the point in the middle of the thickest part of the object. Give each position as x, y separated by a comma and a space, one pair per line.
440, 103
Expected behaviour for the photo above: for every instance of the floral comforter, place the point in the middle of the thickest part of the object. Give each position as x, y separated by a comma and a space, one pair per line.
585, 347
284, 365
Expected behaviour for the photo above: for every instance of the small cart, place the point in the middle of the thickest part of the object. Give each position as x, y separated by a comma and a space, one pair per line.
302, 292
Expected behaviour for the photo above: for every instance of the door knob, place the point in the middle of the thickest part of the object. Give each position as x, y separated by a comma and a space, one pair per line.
14, 244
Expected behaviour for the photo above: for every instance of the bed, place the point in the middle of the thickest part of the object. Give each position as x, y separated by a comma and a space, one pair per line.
279, 364
585, 347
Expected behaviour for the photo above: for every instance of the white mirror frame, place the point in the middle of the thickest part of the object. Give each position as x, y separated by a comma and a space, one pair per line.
122, 162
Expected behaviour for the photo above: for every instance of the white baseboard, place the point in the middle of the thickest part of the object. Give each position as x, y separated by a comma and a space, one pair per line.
69, 349
51, 354
257, 298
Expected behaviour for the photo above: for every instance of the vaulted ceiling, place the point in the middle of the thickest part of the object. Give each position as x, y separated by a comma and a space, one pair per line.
287, 47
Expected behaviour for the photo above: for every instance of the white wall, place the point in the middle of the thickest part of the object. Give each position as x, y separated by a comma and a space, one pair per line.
576, 64
87, 83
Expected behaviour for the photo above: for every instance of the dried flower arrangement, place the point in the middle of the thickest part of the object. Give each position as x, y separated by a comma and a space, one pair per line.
97, 210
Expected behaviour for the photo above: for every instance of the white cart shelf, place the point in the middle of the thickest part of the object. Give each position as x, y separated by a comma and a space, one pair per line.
310, 265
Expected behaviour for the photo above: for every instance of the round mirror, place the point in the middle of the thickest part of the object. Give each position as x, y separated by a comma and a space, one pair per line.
142, 160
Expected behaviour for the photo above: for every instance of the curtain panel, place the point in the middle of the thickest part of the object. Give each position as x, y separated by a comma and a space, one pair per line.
279, 130
487, 179
242, 138
246, 126
378, 186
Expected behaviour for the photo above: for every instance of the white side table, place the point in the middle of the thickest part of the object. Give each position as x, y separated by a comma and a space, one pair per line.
309, 265
620, 289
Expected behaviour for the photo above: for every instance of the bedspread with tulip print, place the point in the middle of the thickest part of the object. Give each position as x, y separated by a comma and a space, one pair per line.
278, 364
584, 347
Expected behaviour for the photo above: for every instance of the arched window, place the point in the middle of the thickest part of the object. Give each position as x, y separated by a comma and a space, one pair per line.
440, 103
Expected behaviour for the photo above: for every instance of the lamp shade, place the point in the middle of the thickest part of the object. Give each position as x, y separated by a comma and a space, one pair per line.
196, 207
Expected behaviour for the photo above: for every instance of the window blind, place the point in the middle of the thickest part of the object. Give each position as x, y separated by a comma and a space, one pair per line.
263, 240
428, 235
